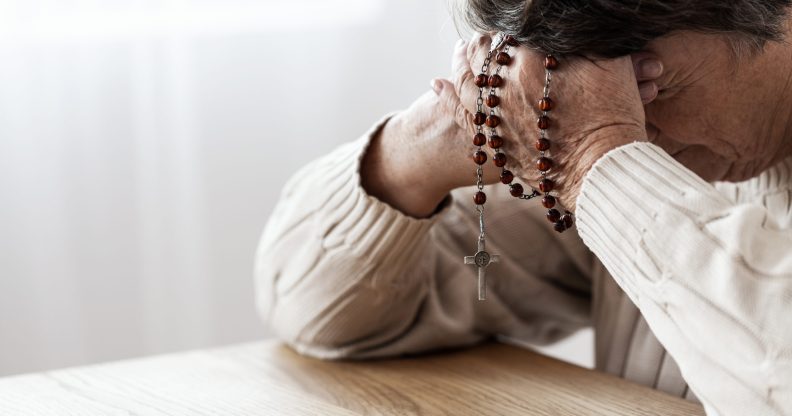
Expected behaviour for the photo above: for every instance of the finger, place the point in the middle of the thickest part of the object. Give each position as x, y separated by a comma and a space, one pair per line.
463, 77
647, 66
450, 103
648, 90
460, 44
462, 73
477, 49
652, 132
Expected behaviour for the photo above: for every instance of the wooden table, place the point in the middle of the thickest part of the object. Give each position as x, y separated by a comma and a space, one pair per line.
266, 378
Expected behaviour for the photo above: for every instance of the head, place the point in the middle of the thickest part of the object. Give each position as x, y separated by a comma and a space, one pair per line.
725, 103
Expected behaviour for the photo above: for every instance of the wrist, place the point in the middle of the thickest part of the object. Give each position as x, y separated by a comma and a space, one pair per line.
592, 149
403, 165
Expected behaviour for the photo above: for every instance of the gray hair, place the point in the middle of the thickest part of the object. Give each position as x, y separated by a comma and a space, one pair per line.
610, 28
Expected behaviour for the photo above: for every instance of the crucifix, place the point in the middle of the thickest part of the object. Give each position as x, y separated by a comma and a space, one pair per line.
482, 259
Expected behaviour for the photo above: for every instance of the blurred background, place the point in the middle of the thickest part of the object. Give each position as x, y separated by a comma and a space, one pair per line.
144, 143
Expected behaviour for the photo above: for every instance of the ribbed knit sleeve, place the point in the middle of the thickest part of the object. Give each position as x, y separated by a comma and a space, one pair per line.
711, 274
340, 273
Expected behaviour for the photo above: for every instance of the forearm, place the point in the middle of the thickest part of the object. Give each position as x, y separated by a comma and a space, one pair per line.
706, 273
332, 266
341, 269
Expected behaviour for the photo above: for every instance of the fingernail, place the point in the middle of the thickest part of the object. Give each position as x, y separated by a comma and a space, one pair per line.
648, 91
651, 68
437, 86
460, 43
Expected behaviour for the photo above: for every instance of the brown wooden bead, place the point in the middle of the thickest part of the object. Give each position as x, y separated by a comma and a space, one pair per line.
506, 177
546, 104
479, 118
499, 159
480, 198
516, 190
546, 185
481, 80
479, 139
542, 145
548, 201
480, 157
492, 121
492, 101
511, 40
544, 164
560, 226
495, 81
553, 215
495, 141
503, 58
543, 123
551, 62
568, 220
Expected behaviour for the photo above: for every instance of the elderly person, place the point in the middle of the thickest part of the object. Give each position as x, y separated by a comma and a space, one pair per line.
674, 139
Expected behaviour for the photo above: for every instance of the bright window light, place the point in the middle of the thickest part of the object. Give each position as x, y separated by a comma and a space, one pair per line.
50, 21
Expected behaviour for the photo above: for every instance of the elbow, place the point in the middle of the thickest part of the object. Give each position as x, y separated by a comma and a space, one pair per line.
292, 318
306, 340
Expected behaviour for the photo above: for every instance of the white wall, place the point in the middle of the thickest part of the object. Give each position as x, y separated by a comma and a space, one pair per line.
143, 145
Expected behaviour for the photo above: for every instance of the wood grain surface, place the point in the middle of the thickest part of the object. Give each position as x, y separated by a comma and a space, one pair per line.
266, 378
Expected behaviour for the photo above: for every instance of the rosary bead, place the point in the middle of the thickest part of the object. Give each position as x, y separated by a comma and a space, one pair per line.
492, 101
543, 123
506, 177
560, 226
542, 145
495, 81
480, 198
479, 118
493, 121
499, 159
481, 80
511, 41
546, 185
548, 201
544, 164
551, 62
479, 139
480, 157
495, 141
568, 220
503, 58
546, 104
553, 215
516, 190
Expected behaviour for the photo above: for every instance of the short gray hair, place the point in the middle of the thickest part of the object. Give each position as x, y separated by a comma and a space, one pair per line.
610, 28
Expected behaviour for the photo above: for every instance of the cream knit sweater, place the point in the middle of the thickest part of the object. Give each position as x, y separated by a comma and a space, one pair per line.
709, 266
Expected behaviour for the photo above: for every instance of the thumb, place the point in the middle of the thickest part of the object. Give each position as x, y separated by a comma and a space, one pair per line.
450, 104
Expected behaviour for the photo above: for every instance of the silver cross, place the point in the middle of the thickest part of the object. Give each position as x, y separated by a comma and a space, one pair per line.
482, 259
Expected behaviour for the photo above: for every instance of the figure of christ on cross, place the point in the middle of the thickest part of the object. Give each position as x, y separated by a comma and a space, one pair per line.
482, 259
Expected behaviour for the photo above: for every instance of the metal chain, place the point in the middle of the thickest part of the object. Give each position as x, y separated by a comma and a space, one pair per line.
480, 170
542, 132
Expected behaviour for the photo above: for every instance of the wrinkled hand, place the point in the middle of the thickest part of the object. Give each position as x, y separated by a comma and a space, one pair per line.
598, 107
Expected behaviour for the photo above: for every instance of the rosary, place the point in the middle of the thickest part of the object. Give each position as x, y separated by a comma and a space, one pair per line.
544, 164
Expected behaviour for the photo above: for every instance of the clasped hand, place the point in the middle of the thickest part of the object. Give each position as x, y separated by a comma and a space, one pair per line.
599, 106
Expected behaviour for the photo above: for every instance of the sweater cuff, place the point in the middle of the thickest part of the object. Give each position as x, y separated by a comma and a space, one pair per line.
370, 227
624, 193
